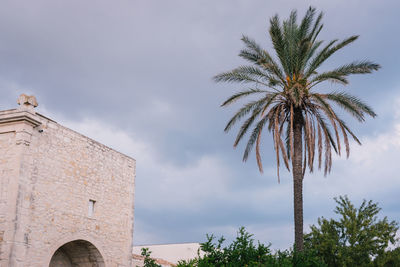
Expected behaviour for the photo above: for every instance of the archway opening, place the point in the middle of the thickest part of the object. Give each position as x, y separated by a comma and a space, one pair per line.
78, 253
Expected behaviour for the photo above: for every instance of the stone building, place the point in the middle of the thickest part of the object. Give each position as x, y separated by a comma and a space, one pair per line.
65, 199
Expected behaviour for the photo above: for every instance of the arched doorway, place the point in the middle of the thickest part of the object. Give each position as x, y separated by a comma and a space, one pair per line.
78, 253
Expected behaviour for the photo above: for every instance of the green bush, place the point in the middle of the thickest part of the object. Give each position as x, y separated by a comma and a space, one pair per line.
244, 252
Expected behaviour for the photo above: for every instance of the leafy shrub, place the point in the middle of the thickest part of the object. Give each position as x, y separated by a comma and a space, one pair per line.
244, 252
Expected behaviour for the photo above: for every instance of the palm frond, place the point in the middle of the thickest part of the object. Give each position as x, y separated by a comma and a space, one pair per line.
252, 45
317, 60
325, 129
242, 94
310, 53
332, 117
326, 53
258, 56
317, 27
253, 137
258, 154
306, 23
352, 104
243, 74
246, 109
245, 126
350, 132
328, 76
339, 74
278, 42
357, 67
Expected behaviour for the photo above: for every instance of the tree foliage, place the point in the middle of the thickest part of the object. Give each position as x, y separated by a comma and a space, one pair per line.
148, 261
356, 238
243, 251
390, 258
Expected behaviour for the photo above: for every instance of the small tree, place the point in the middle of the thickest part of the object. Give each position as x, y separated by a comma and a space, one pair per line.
148, 261
356, 238
240, 252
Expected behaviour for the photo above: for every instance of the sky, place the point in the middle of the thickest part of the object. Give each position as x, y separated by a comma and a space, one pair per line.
137, 76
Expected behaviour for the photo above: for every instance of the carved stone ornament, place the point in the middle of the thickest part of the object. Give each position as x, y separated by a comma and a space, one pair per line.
27, 101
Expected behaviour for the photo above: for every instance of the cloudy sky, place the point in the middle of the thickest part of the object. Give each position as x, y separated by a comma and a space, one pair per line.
136, 75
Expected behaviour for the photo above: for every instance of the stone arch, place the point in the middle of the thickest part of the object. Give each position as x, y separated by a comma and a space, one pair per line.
77, 253
58, 242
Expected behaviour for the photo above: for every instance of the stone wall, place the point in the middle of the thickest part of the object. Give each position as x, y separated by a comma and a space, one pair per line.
48, 175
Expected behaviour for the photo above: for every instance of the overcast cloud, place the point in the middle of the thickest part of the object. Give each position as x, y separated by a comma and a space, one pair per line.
136, 75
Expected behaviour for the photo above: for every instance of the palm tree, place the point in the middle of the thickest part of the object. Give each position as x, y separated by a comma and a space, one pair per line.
302, 121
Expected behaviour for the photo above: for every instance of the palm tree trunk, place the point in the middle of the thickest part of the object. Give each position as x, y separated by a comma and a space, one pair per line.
298, 179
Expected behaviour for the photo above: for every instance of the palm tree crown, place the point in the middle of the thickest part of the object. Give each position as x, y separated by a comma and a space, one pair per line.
287, 86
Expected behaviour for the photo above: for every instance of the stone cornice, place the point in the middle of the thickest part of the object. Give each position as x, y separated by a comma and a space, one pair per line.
19, 116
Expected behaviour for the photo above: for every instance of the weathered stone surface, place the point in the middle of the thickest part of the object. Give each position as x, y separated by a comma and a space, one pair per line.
48, 175
77, 253
27, 101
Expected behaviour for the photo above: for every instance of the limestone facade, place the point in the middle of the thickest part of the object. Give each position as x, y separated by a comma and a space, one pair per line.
64, 198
